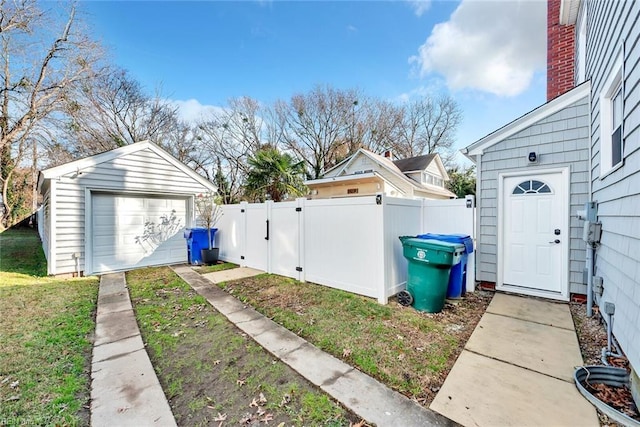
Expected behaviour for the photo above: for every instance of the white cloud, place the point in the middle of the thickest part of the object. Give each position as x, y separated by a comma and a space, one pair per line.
491, 46
192, 110
419, 6
352, 28
434, 88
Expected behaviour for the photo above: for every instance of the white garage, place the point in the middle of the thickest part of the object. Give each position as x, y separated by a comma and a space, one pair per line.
122, 209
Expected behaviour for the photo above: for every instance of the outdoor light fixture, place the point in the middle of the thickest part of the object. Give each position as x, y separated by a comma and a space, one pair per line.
533, 157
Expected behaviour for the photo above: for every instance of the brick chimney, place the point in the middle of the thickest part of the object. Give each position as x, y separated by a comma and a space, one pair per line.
560, 52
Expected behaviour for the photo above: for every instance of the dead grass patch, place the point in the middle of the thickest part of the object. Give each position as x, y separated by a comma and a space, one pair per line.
410, 351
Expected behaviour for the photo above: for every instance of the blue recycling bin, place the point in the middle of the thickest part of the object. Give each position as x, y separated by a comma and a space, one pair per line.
458, 276
197, 240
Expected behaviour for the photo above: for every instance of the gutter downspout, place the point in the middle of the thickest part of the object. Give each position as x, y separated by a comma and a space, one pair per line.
591, 216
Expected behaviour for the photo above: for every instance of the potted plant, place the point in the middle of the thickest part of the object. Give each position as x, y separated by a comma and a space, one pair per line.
209, 212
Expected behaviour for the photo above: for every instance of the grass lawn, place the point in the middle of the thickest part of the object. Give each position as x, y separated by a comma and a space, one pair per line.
409, 351
45, 324
218, 267
211, 372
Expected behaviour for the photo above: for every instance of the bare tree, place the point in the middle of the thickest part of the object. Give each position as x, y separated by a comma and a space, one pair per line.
233, 135
379, 125
114, 111
185, 142
320, 126
41, 59
428, 125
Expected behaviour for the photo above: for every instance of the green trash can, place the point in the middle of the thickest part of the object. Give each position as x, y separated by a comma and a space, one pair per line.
430, 263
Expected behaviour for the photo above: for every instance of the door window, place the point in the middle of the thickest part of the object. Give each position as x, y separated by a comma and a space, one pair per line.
531, 186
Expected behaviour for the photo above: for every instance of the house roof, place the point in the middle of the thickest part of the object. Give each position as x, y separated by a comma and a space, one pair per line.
78, 165
555, 105
392, 169
414, 163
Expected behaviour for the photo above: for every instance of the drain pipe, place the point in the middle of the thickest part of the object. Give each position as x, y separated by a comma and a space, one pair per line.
589, 260
591, 216
610, 309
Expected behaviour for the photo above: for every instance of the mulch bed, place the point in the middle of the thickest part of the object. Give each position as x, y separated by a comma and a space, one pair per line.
592, 336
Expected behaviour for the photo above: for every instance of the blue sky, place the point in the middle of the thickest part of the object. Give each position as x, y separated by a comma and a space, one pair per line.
488, 55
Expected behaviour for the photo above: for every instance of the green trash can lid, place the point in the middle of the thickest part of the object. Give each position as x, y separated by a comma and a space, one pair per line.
437, 245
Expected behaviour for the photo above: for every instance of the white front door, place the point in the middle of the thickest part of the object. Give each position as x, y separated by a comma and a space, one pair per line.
535, 234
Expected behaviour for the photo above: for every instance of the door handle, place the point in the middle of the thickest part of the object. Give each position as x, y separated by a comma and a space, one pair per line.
267, 237
556, 241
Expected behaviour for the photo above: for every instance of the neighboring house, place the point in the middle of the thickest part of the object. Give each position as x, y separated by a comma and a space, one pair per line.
365, 173
587, 144
122, 209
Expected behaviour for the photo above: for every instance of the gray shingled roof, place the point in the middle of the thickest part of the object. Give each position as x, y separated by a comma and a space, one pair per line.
414, 163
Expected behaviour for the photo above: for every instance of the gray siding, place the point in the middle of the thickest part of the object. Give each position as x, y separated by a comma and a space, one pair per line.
560, 139
143, 172
618, 194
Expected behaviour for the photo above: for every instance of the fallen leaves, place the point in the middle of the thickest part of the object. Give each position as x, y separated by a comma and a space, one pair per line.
285, 400
619, 398
220, 417
261, 415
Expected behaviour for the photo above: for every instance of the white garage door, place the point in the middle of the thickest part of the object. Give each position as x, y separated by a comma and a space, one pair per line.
133, 231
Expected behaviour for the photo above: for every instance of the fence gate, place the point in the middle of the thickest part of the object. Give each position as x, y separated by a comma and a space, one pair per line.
348, 243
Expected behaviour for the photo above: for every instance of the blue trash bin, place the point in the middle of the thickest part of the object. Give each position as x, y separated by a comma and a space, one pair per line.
458, 276
196, 240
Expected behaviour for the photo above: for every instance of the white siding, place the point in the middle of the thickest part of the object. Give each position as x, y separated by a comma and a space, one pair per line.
141, 172
560, 139
360, 164
44, 223
434, 169
618, 194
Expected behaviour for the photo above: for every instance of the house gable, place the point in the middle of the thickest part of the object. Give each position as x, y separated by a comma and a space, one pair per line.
77, 167
364, 163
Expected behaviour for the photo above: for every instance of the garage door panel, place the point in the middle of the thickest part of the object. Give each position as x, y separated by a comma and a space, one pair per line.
133, 231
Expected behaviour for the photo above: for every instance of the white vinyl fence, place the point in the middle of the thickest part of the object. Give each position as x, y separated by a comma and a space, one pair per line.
346, 243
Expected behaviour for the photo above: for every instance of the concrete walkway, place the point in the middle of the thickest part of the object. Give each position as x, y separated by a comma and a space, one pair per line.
358, 392
517, 369
124, 388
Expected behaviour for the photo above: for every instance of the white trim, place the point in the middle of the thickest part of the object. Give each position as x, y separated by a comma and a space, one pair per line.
569, 11
529, 119
53, 253
78, 165
614, 82
581, 47
564, 285
342, 165
88, 233
341, 178
88, 218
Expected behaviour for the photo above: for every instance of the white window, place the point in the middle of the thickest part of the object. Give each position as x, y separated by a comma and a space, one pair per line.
427, 178
612, 120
